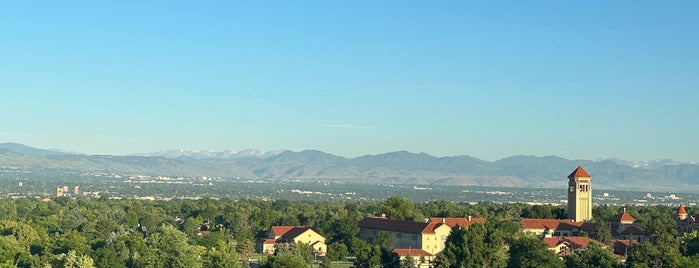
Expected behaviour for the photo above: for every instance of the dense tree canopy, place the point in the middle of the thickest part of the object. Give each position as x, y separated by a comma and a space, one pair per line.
221, 233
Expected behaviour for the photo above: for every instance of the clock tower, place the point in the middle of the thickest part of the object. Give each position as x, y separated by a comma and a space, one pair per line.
579, 195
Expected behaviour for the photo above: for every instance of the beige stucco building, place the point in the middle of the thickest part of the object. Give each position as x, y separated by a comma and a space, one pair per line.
280, 235
427, 236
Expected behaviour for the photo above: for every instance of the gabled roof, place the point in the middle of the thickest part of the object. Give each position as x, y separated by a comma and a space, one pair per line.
621, 247
579, 172
681, 210
410, 227
555, 224
296, 231
578, 241
413, 252
622, 217
552, 242
632, 230
452, 222
289, 232
281, 230
575, 242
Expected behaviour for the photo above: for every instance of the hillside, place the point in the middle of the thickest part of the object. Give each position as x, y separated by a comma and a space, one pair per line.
395, 167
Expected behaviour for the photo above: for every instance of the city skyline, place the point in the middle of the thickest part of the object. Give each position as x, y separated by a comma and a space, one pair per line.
576, 79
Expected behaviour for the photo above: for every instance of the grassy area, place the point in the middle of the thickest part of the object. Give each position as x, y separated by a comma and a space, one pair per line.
340, 264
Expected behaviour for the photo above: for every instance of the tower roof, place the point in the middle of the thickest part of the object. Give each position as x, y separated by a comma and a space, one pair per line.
579, 172
681, 210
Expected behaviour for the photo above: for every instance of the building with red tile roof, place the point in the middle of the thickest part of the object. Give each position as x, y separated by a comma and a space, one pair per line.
686, 223
556, 227
428, 236
563, 246
284, 235
621, 248
624, 226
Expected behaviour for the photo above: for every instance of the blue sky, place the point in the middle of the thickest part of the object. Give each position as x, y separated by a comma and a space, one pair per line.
578, 79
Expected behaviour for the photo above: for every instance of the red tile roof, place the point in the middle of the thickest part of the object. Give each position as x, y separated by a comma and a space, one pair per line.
578, 241
621, 246
281, 230
579, 172
555, 224
412, 252
553, 241
574, 241
681, 210
410, 227
622, 217
452, 222
295, 231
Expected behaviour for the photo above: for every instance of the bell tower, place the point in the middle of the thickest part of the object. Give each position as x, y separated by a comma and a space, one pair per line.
579, 195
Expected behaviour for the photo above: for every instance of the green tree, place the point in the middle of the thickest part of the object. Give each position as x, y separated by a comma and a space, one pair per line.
602, 233
649, 255
398, 208
690, 244
337, 251
73, 260
284, 260
594, 256
368, 256
472, 247
9, 249
171, 249
408, 262
530, 252
223, 255
384, 240
114, 254
23, 233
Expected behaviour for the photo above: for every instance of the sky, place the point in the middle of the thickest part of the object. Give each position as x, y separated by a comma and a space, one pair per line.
576, 79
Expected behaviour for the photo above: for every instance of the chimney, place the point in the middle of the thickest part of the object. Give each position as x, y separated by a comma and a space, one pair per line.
383, 215
469, 217
444, 220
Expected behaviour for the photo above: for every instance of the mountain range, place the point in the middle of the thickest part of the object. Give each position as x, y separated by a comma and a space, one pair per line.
400, 167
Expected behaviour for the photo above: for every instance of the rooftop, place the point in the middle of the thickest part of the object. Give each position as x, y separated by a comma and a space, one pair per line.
579, 172
410, 227
623, 217
556, 224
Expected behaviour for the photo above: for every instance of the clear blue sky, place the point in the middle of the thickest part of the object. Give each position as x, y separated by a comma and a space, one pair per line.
578, 79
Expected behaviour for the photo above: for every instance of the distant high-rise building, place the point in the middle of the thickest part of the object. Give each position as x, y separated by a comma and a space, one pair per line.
76, 190
579, 195
60, 191
19, 184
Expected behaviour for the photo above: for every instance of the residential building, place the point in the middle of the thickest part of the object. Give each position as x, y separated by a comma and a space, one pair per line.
284, 235
563, 246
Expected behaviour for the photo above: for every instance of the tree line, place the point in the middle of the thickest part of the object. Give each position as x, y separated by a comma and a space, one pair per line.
65, 232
